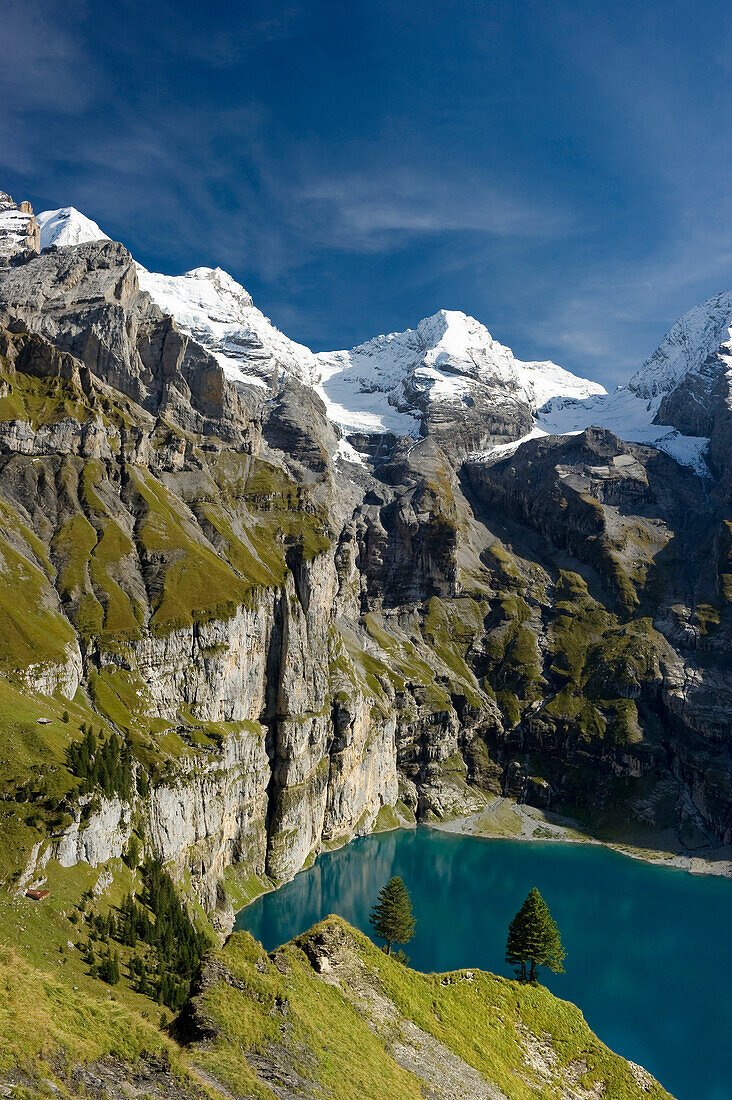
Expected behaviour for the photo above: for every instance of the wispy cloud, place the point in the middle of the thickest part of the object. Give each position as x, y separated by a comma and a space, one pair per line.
619, 313
224, 43
189, 34
45, 68
670, 128
378, 209
44, 61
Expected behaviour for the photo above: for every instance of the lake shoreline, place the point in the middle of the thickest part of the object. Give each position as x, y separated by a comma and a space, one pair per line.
504, 819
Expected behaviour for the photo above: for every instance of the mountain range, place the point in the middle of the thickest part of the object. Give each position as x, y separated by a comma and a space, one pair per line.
448, 367
316, 594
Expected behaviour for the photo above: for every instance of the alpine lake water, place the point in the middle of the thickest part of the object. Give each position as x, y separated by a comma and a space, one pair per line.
648, 947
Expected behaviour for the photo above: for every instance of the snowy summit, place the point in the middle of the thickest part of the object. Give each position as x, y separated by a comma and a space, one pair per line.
382, 385
67, 226
390, 383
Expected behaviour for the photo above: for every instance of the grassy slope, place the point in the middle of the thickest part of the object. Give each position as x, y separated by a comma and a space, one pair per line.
53, 1014
40, 1015
278, 1009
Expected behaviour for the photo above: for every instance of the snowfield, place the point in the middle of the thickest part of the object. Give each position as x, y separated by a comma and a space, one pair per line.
630, 417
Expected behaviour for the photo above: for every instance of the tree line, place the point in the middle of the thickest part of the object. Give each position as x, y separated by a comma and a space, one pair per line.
533, 937
177, 943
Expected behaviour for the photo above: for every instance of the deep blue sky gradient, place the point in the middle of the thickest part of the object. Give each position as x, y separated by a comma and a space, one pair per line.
560, 171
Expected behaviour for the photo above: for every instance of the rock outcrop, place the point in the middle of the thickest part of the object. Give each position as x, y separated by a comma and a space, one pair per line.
20, 233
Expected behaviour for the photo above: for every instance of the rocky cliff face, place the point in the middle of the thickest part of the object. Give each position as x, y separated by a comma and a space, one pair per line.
19, 230
302, 637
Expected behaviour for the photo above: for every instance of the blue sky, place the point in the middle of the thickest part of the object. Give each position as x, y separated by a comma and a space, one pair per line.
559, 170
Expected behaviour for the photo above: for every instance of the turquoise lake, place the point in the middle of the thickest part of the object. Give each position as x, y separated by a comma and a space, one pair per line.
648, 948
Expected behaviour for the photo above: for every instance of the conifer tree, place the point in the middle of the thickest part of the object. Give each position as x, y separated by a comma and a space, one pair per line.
109, 968
132, 855
533, 939
391, 917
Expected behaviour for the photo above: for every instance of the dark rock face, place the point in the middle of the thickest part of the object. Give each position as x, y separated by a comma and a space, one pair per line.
650, 532
329, 641
478, 421
603, 501
296, 424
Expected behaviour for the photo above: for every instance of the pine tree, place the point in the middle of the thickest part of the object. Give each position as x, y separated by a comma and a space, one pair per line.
109, 969
132, 855
391, 917
534, 938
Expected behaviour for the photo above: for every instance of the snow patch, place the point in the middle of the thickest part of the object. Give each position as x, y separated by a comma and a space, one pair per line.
628, 416
14, 229
347, 453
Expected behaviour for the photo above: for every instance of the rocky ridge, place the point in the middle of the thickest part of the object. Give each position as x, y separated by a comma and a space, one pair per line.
327, 1014
466, 1034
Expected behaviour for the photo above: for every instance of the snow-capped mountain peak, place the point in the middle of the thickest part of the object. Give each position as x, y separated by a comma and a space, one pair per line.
67, 226
457, 342
686, 345
386, 383
203, 295
207, 303
212, 307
